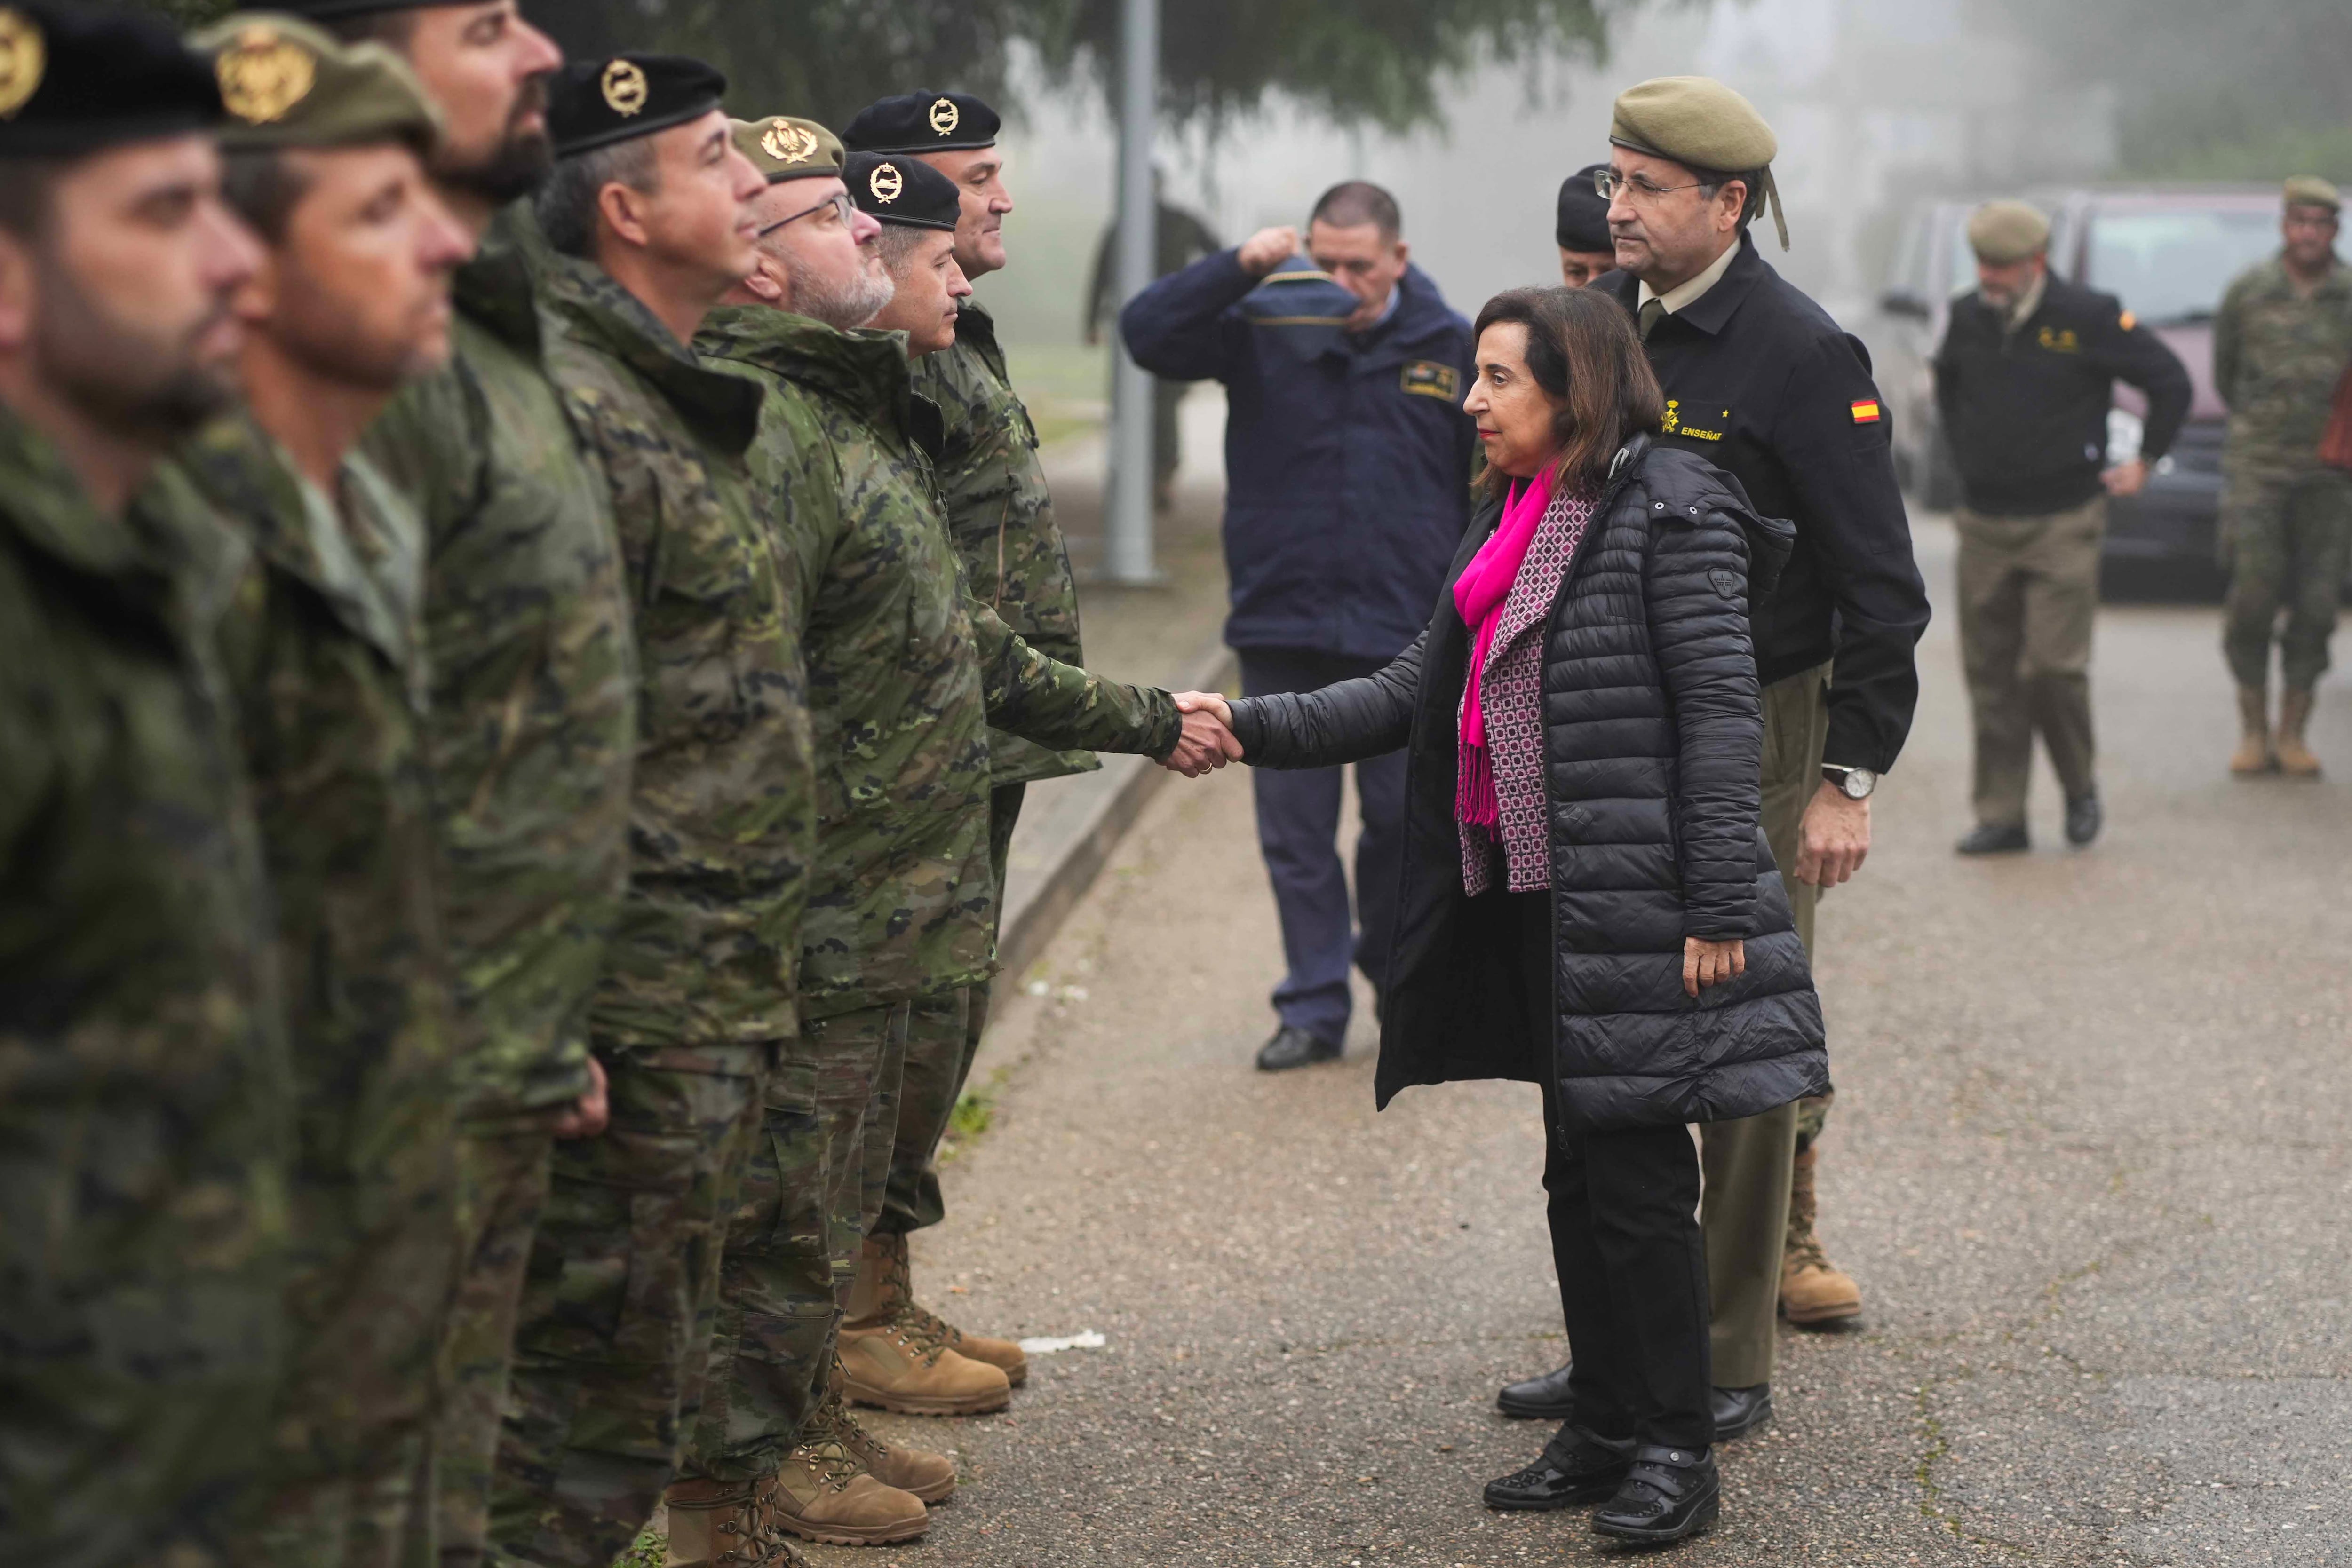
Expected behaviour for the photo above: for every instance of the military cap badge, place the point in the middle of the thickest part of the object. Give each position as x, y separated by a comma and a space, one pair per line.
625, 88
946, 117
886, 183
263, 74
23, 58
787, 142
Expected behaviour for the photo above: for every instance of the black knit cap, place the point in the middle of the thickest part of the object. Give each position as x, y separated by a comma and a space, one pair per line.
903, 191
76, 80
1583, 212
924, 122
594, 103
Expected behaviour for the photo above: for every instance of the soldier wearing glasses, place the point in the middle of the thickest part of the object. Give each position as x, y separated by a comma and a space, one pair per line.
1763, 384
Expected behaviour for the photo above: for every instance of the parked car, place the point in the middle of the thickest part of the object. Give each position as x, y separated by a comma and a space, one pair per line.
2168, 253
1933, 265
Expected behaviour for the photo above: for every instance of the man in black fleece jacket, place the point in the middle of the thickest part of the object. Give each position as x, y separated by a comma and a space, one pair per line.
2023, 381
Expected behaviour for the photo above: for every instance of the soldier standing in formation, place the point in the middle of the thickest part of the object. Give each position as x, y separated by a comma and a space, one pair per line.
147, 1126
2282, 342
2025, 378
1581, 229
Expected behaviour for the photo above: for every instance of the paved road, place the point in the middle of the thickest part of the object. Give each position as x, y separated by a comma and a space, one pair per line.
2089, 1163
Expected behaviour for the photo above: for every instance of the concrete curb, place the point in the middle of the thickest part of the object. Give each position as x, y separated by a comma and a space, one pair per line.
1035, 911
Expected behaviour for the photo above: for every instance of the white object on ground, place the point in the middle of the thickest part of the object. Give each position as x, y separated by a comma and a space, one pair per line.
1085, 1340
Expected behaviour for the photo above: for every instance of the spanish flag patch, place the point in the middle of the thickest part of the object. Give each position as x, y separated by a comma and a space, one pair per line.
1865, 413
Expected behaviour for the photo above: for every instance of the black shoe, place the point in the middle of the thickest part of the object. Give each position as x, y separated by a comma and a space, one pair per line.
1670, 1493
2083, 820
1739, 1411
1575, 1468
1997, 838
1544, 1398
1292, 1048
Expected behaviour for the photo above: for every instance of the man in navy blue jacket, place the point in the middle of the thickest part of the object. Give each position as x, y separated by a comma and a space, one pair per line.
1348, 475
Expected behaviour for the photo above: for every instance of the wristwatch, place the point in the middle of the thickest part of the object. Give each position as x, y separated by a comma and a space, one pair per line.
1853, 783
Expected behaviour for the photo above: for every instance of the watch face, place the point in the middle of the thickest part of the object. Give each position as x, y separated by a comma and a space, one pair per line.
1858, 783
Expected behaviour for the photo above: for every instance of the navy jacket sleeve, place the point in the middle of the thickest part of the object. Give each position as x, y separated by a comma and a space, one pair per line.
1843, 471
2137, 356
1178, 329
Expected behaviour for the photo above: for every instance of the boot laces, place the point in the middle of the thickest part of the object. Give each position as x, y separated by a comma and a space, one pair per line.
1804, 1252
834, 1421
921, 1327
830, 1462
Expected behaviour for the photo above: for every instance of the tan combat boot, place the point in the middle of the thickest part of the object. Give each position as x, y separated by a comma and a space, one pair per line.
2253, 754
723, 1524
901, 1361
894, 1284
823, 1493
929, 1476
2294, 759
1812, 1290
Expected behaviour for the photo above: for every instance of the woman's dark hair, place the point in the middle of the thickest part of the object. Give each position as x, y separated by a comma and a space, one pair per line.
1587, 357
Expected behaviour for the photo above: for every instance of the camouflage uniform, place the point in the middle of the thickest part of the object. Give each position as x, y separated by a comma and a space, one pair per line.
2285, 518
532, 734
698, 993
144, 1126
904, 670
322, 644
1000, 514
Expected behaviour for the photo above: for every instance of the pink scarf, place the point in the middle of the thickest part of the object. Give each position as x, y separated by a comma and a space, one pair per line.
1479, 594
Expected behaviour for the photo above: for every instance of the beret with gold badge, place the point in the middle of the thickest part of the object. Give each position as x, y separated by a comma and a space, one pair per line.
903, 191
1703, 125
596, 103
287, 83
783, 148
74, 80
923, 121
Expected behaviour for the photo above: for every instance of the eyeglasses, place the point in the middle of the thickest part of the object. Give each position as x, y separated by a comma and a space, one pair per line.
840, 204
1637, 190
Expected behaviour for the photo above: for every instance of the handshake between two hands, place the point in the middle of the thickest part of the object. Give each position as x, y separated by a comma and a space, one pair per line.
1207, 743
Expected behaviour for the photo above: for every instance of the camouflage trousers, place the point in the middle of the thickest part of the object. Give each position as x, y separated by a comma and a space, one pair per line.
350, 1483
935, 1081
811, 1190
617, 1304
2284, 539
503, 1171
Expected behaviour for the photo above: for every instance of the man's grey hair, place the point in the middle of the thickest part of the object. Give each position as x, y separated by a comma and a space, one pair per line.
898, 243
567, 204
1711, 185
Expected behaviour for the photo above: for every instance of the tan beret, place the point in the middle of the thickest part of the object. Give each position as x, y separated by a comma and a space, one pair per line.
289, 84
2311, 191
2001, 233
1703, 125
783, 148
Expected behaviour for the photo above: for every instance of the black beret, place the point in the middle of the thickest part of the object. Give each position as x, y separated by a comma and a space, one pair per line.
594, 103
903, 191
76, 80
923, 121
336, 10
1583, 212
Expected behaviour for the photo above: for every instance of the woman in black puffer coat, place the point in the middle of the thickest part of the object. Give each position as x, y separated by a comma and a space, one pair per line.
1632, 950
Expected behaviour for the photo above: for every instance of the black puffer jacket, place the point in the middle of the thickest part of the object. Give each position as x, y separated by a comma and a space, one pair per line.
1652, 741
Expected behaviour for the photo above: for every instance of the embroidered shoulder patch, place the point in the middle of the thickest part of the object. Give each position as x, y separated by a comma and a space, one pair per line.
1868, 413
1431, 379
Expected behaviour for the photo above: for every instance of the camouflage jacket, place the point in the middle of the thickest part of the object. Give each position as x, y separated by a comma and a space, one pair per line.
723, 822
904, 667
1002, 516
2277, 356
532, 724
321, 646
142, 1110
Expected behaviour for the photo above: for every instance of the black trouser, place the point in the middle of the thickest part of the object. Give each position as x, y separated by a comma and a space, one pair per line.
1625, 1243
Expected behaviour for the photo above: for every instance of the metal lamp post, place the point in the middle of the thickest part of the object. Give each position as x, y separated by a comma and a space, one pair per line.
1126, 524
